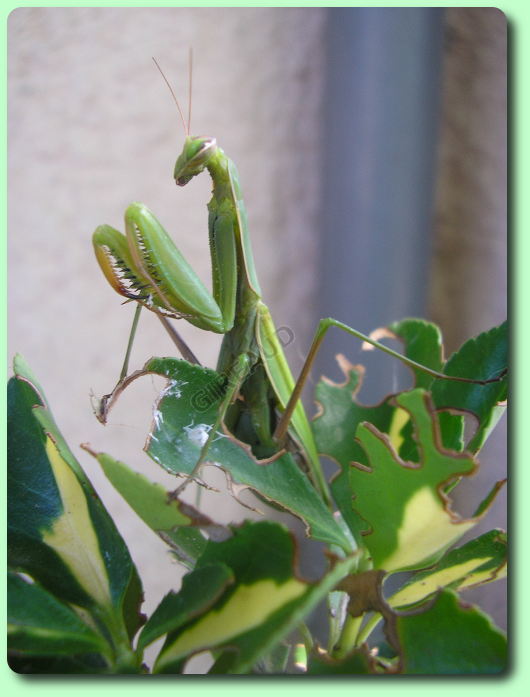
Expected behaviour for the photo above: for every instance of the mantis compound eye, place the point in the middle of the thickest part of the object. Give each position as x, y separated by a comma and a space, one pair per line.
194, 158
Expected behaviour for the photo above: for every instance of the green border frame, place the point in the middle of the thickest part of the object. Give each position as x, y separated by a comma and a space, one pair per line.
519, 672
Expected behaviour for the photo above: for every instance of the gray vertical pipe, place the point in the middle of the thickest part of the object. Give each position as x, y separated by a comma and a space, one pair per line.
381, 121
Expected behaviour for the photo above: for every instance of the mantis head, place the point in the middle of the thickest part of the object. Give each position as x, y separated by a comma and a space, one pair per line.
194, 158
197, 150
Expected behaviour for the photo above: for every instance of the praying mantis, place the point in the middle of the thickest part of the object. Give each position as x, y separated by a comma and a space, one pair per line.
261, 405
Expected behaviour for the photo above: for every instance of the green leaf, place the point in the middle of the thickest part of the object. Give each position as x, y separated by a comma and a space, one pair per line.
200, 589
481, 358
374, 503
450, 638
479, 561
171, 519
422, 343
39, 624
334, 427
58, 530
265, 602
341, 414
408, 521
183, 420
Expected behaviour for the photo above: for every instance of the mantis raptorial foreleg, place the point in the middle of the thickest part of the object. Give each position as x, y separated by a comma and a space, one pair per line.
125, 367
101, 406
175, 337
145, 265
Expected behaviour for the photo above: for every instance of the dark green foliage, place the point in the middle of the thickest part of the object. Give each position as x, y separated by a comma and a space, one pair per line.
74, 593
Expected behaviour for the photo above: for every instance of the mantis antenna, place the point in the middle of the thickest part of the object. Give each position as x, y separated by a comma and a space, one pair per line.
186, 127
190, 77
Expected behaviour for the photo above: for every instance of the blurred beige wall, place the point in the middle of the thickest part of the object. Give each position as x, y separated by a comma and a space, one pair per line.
92, 127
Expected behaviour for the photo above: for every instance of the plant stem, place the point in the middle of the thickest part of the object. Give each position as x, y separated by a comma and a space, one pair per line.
307, 637
349, 636
369, 627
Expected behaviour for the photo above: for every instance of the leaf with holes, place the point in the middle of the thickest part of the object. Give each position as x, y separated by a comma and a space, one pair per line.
183, 418
334, 427
481, 358
408, 522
